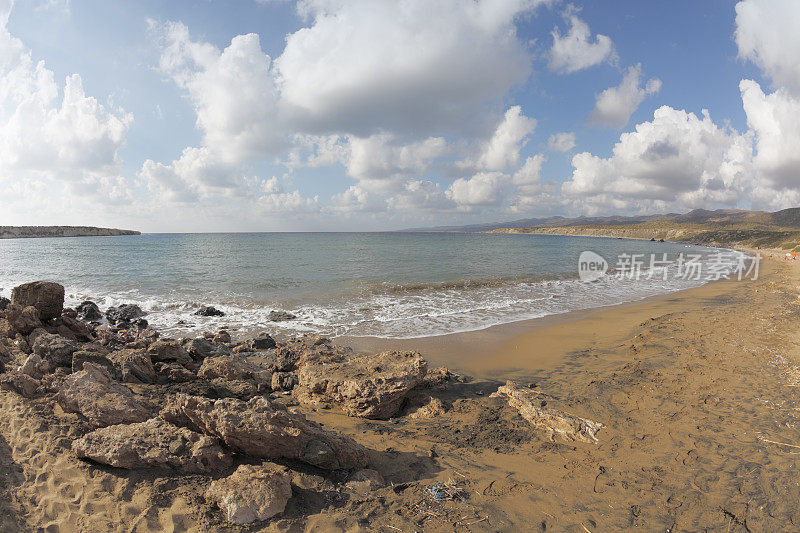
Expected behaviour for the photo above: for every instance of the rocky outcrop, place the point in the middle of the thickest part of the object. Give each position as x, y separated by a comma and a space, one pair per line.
134, 365
293, 354
430, 408
93, 394
47, 297
55, 349
22, 384
252, 493
283, 381
261, 428
234, 367
88, 311
74, 328
368, 386
200, 348
22, 320
154, 443
208, 310
173, 373
125, 316
529, 404
82, 357
170, 351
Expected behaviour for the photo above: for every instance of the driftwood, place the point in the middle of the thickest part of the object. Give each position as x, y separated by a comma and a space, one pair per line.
529, 404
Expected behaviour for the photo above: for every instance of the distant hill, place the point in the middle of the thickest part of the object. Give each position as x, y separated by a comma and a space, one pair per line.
721, 227
32, 232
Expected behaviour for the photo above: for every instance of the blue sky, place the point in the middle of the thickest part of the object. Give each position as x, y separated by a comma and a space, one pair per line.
351, 115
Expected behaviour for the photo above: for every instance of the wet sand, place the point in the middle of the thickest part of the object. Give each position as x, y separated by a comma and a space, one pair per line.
697, 391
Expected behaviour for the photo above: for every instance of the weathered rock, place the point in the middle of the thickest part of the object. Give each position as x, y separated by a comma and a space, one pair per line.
80, 357
4, 303
35, 367
200, 348
208, 310
265, 429
55, 349
295, 353
7, 331
263, 341
283, 381
529, 404
430, 409
234, 367
124, 315
154, 443
22, 384
365, 480
173, 373
135, 366
252, 493
280, 316
47, 297
170, 351
368, 386
80, 329
23, 320
88, 311
102, 401
222, 337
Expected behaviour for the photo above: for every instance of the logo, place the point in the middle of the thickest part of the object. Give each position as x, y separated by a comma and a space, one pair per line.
591, 266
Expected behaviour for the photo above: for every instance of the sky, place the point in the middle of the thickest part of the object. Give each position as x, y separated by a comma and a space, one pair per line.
361, 115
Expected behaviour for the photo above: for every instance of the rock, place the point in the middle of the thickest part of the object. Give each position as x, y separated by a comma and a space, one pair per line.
23, 320
22, 384
4, 303
295, 353
35, 335
252, 493
88, 311
365, 480
440, 376
265, 429
45, 296
79, 329
200, 348
135, 366
222, 337
263, 341
124, 315
80, 357
208, 310
173, 373
35, 367
368, 386
102, 401
7, 331
234, 367
431, 409
280, 316
170, 351
529, 404
283, 381
55, 349
154, 443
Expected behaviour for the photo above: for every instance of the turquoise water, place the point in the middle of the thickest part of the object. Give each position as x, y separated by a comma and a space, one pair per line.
378, 284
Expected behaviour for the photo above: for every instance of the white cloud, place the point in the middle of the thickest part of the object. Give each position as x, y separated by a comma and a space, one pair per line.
413, 68
273, 199
381, 156
420, 195
357, 199
484, 189
561, 142
775, 121
576, 50
766, 33
614, 106
677, 159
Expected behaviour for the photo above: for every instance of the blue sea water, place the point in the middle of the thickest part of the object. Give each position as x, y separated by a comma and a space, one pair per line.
398, 285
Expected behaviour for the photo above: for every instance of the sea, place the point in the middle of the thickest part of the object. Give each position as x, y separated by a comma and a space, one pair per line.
392, 285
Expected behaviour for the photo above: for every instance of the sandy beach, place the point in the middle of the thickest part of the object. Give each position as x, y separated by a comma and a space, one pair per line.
695, 390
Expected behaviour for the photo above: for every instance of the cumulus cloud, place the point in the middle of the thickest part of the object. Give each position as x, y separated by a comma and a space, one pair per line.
614, 106
766, 33
420, 195
576, 50
677, 159
383, 156
357, 199
561, 142
485, 189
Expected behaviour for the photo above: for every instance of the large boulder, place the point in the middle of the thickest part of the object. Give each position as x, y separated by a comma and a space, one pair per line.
555, 422
82, 357
265, 429
294, 353
93, 394
124, 315
47, 297
22, 384
23, 320
170, 351
200, 348
368, 386
88, 311
234, 367
135, 365
55, 349
154, 443
252, 493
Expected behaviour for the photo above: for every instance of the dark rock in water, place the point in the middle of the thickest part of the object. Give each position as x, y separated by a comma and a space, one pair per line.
262, 342
4, 303
125, 315
55, 349
280, 316
45, 296
88, 311
207, 310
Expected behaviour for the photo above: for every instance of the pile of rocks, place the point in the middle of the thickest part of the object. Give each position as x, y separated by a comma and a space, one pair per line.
200, 405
